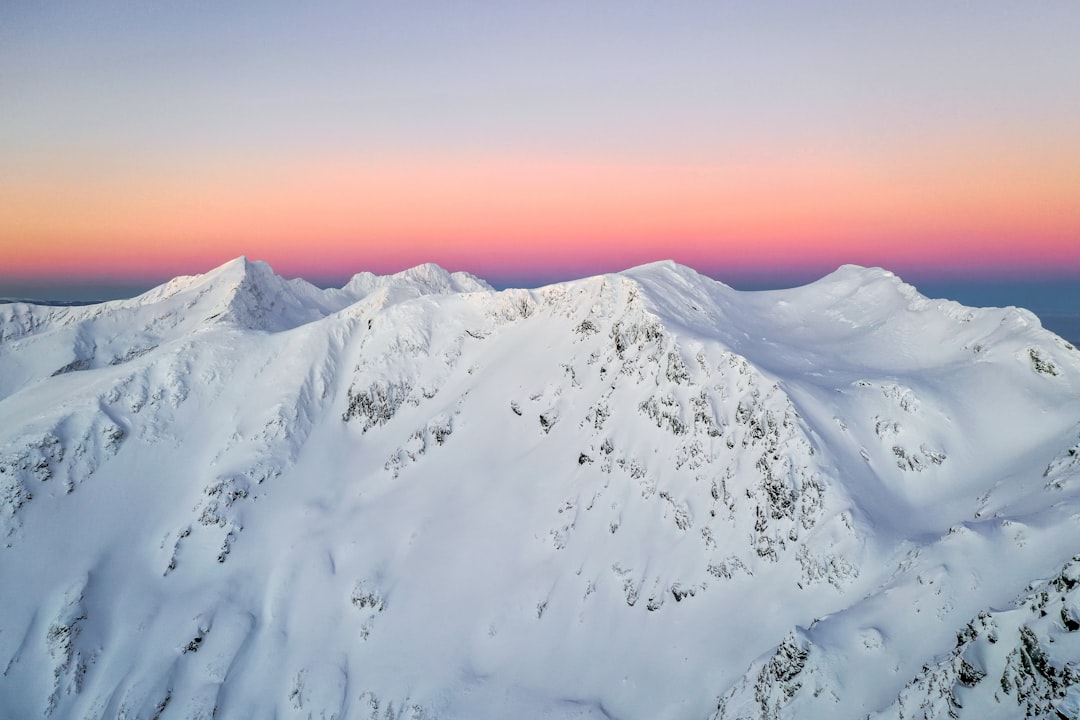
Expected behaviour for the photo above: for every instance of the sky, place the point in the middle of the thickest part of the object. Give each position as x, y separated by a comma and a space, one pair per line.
533, 142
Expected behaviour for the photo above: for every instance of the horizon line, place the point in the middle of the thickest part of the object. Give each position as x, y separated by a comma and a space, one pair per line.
66, 287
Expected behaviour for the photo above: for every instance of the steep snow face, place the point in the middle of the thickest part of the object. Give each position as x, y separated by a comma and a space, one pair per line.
37, 342
642, 495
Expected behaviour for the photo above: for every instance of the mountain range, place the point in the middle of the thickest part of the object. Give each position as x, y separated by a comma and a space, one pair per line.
641, 495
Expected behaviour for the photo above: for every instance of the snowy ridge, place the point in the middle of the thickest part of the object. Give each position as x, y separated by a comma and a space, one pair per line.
639, 495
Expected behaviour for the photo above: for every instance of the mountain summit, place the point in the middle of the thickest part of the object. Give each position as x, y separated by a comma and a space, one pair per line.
637, 495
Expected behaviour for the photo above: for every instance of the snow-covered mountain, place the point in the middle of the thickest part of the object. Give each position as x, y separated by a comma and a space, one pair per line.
640, 495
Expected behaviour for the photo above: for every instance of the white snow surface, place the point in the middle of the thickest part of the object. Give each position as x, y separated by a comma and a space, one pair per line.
642, 495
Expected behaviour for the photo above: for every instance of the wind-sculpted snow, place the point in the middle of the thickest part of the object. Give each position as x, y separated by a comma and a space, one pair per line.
640, 495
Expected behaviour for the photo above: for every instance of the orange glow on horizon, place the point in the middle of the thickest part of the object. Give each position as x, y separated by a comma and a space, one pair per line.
310, 215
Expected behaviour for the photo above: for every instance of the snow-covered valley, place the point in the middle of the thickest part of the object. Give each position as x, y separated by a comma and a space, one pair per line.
642, 495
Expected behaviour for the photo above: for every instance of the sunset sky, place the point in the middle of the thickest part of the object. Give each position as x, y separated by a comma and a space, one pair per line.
528, 142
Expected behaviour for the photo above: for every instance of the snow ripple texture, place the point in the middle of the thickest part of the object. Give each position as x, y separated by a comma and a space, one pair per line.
639, 495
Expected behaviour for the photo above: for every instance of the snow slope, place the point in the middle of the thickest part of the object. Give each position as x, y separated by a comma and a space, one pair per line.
641, 495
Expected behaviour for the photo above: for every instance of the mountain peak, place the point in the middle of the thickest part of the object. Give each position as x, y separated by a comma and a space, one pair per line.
240, 263
667, 269
654, 266
241, 269
227, 274
424, 279
437, 279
